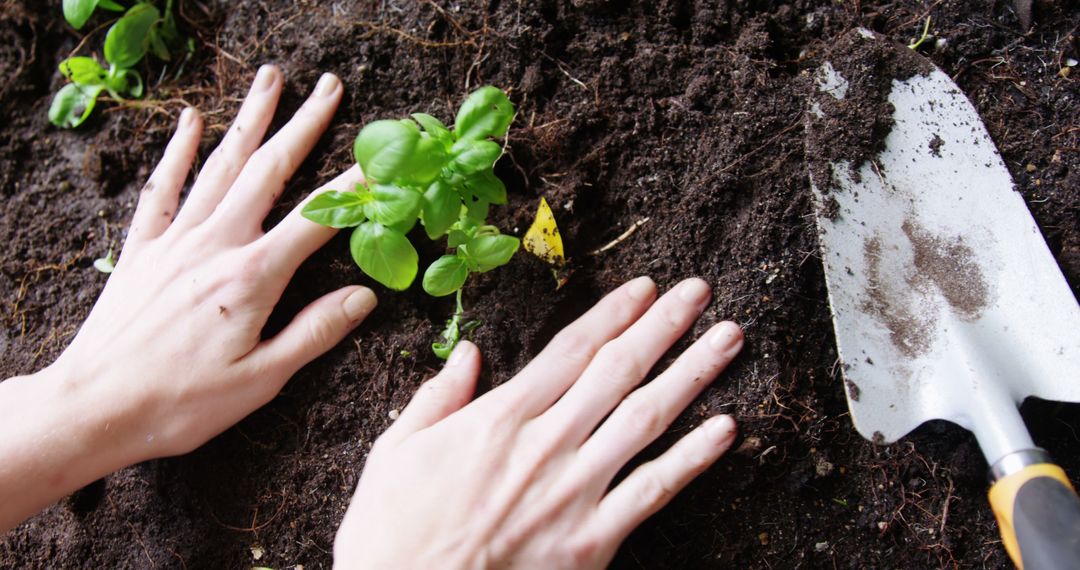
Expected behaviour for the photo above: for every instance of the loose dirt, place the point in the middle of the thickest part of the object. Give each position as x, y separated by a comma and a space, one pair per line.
688, 113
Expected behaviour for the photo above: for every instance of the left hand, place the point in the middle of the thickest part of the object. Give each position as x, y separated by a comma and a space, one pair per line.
171, 354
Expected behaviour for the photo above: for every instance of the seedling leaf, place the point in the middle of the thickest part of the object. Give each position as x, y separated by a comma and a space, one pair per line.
485, 253
434, 127
384, 254
128, 38
486, 186
72, 104
77, 12
487, 112
82, 70
445, 276
543, 239
336, 209
383, 148
427, 162
157, 45
393, 205
105, 264
441, 209
471, 156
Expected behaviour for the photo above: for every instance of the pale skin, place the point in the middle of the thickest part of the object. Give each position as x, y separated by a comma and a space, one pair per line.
171, 355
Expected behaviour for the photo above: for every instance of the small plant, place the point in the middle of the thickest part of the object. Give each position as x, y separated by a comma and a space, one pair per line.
419, 170
142, 28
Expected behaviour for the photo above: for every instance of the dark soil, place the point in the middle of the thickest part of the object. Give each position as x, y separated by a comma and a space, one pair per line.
688, 113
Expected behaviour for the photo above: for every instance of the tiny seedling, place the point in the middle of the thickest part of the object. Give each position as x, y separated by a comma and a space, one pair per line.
105, 264
418, 169
142, 28
914, 45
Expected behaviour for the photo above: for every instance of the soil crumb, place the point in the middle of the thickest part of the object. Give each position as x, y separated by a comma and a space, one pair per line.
950, 266
909, 328
935, 145
850, 114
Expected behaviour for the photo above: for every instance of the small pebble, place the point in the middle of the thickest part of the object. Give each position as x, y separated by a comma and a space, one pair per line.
821, 546
394, 414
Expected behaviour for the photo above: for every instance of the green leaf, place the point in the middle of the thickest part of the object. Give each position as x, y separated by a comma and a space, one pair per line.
82, 70
477, 209
441, 208
136, 89
384, 148
77, 12
336, 209
157, 44
428, 160
485, 253
124, 82
384, 254
487, 112
456, 238
451, 335
73, 104
434, 127
445, 276
129, 37
472, 156
486, 186
110, 5
392, 205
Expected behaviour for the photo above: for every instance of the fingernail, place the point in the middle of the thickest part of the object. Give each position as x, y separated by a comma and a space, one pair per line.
694, 291
459, 354
641, 288
187, 117
265, 78
725, 336
720, 429
327, 84
359, 303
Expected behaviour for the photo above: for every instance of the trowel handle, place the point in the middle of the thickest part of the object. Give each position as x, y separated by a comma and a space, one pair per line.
1038, 513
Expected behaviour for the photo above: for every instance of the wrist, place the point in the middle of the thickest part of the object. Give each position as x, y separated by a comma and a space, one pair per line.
61, 432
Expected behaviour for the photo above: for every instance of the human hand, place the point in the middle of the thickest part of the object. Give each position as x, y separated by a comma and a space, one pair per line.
520, 476
173, 343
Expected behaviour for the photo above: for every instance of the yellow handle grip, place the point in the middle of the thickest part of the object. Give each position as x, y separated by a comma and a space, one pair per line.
1038, 514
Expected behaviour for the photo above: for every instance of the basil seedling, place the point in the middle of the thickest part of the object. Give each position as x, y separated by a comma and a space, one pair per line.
142, 28
417, 169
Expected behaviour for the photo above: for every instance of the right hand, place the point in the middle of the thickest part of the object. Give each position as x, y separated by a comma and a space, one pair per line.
520, 477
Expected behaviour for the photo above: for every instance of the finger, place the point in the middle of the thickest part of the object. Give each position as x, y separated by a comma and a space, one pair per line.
649, 410
263, 178
160, 195
556, 368
314, 330
295, 238
652, 485
623, 363
439, 397
240, 141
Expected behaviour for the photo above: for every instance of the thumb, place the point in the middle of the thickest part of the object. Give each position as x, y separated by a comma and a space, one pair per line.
314, 330
439, 397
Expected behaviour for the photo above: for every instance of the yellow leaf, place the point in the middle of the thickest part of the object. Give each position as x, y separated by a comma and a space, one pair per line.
543, 239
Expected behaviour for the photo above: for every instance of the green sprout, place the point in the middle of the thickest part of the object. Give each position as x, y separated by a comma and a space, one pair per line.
142, 28
419, 170
105, 264
925, 34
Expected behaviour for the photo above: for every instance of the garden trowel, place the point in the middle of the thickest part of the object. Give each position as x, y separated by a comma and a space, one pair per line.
946, 301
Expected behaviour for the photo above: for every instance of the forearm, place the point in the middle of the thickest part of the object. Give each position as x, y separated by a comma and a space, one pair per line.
57, 434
